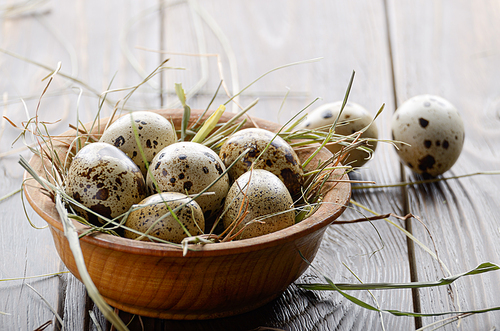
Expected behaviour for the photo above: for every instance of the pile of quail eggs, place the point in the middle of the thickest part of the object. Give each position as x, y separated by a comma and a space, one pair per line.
250, 184
109, 180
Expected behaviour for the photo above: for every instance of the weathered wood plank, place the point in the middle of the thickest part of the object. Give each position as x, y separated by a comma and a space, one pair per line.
25, 250
450, 49
85, 37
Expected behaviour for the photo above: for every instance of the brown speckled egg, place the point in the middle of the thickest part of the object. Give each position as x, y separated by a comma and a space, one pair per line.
168, 228
353, 118
188, 167
104, 179
280, 158
268, 201
434, 130
155, 132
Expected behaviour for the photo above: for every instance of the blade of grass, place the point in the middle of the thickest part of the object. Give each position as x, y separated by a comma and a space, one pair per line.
208, 106
482, 268
94, 320
332, 128
209, 125
426, 181
59, 319
371, 294
187, 110
234, 118
33, 277
8, 195
71, 234
408, 234
88, 87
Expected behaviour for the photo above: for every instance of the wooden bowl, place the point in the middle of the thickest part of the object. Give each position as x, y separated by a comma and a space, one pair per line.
212, 281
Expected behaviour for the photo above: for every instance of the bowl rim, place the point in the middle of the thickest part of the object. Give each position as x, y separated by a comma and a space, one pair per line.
337, 199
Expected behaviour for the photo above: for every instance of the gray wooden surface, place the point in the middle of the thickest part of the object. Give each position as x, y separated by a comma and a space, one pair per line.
397, 48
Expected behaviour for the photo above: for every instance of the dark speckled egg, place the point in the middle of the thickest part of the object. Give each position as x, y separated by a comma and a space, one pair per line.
154, 131
267, 201
433, 132
153, 217
102, 178
280, 158
189, 168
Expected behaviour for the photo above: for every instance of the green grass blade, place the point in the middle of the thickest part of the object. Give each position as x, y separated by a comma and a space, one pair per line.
482, 268
209, 125
187, 110
331, 286
334, 125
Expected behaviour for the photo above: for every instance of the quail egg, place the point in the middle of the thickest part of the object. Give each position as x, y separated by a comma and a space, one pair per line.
267, 201
167, 228
280, 158
353, 118
188, 167
102, 178
434, 130
155, 132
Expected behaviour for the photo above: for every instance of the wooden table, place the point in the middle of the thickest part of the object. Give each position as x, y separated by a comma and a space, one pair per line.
397, 48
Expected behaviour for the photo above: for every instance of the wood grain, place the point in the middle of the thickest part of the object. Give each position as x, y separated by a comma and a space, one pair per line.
446, 49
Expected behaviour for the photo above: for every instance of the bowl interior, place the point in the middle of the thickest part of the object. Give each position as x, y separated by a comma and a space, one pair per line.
337, 194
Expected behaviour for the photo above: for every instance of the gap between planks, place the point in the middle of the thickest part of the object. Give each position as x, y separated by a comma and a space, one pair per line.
404, 189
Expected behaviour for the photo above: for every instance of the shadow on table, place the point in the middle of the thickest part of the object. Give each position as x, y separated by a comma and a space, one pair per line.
295, 309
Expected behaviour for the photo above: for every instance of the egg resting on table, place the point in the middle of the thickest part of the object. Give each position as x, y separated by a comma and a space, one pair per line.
353, 118
260, 193
168, 228
280, 158
154, 132
188, 167
102, 178
434, 130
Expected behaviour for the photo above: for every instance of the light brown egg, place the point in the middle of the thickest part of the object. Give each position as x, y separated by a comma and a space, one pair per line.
189, 168
154, 131
353, 118
268, 201
168, 228
102, 178
280, 158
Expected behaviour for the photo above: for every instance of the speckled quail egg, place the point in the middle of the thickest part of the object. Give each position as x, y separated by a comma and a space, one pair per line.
102, 178
155, 132
434, 130
266, 195
280, 158
188, 167
354, 117
168, 228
